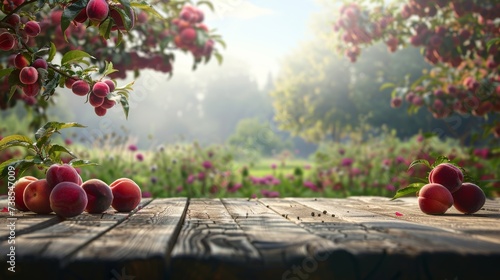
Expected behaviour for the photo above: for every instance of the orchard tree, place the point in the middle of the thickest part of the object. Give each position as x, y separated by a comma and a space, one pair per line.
459, 38
85, 46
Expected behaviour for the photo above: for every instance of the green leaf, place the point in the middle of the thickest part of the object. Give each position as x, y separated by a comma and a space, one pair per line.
439, 160
418, 162
108, 69
81, 162
6, 71
125, 14
386, 85
70, 12
44, 133
206, 3
219, 57
147, 8
410, 189
492, 42
125, 106
52, 84
75, 56
105, 28
58, 148
7, 140
10, 162
52, 52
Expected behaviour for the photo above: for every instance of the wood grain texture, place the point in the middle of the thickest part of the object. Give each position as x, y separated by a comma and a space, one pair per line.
46, 251
439, 250
138, 247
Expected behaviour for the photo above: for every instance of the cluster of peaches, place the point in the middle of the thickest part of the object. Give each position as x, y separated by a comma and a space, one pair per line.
64, 193
446, 188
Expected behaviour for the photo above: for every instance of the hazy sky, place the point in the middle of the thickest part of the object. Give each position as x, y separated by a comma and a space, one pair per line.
259, 32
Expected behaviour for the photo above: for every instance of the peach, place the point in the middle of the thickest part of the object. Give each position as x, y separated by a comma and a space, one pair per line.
28, 75
13, 20
108, 103
469, 198
58, 173
111, 85
434, 199
126, 195
188, 35
117, 18
40, 63
19, 188
31, 90
80, 88
7, 41
447, 175
36, 196
100, 89
99, 196
97, 10
95, 100
32, 28
68, 199
100, 111
82, 16
70, 81
20, 61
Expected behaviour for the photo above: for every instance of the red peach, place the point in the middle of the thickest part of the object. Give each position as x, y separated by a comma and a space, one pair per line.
100, 111
40, 63
447, 175
126, 195
31, 90
108, 104
68, 199
82, 16
28, 75
188, 35
469, 198
32, 28
19, 188
58, 173
20, 61
434, 199
7, 41
80, 88
95, 100
117, 18
36, 196
99, 196
111, 85
13, 20
100, 89
97, 10
70, 81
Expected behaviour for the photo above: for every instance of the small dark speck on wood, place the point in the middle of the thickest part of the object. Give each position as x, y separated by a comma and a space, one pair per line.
333, 215
319, 214
298, 218
312, 214
324, 211
267, 206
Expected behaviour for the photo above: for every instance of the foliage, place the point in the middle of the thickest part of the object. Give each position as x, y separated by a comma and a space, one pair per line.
459, 38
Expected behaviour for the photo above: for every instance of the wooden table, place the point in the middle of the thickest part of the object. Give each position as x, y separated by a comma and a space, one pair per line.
288, 238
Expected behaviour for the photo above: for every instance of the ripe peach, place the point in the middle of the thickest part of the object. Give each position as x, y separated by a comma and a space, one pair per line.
111, 85
469, 198
82, 16
19, 188
434, 199
188, 35
7, 41
108, 104
13, 20
58, 173
100, 89
32, 28
447, 175
40, 63
28, 75
100, 111
20, 61
80, 88
126, 194
99, 195
97, 10
68, 199
31, 90
36, 196
95, 100
70, 81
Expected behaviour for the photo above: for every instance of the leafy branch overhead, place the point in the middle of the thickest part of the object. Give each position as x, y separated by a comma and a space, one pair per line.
40, 152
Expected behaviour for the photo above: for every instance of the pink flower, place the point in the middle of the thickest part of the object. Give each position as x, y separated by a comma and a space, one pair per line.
400, 159
386, 162
341, 151
268, 193
207, 164
190, 179
132, 148
390, 187
420, 138
178, 189
273, 166
307, 167
68, 141
310, 185
347, 162
146, 194
201, 176
139, 157
482, 153
355, 171
234, 188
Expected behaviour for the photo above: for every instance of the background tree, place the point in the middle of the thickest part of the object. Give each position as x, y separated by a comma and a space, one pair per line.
459, 38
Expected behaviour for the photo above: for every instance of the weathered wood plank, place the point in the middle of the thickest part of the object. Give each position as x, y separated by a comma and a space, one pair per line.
482, 225
139, 247
211, 245
44, 251
441, 253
